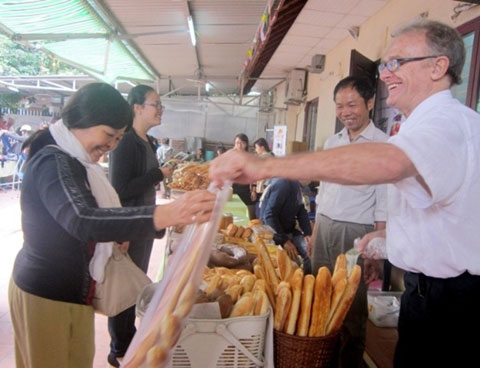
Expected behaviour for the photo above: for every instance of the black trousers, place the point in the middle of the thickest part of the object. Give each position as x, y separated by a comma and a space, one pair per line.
439, 322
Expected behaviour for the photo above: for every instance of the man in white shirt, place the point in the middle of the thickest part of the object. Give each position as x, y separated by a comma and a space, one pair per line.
346, 212
433, 169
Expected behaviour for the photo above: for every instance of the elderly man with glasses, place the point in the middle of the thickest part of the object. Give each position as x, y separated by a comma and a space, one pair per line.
433, 169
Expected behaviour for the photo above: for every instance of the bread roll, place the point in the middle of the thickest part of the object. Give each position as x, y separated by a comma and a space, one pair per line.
213, 284
337, 318
321, 302
247, 233
235, 292
306, 305
254, 222
296, 285
231, 230
244, 306
239, 232
247, 282
283, 302
261, 302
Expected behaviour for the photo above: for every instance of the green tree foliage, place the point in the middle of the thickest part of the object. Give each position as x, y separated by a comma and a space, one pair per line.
17, 59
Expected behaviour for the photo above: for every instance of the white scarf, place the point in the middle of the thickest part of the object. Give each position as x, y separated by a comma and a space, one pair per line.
102, 190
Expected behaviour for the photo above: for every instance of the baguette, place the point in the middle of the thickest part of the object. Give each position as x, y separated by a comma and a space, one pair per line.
284, 264
270, 273
338, 316
340, 274
321, 302
282, 307
306, 305
296, 285
340, 263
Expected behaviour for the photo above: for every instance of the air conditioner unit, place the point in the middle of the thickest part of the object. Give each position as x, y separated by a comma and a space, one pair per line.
266, 101
295, 87
318, 64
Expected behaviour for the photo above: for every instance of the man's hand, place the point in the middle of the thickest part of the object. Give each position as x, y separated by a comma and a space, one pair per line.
237, 166
291, 250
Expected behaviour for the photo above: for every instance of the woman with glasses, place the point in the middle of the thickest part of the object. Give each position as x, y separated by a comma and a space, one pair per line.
134, 173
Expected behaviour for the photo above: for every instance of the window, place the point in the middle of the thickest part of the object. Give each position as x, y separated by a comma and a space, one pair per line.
468, 92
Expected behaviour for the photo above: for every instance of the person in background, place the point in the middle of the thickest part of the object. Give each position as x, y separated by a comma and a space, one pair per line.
220, 149
433, 167
69, 213
199, 156
243, 190
262, 150
165, 153
282, 208
134, 173
346, 212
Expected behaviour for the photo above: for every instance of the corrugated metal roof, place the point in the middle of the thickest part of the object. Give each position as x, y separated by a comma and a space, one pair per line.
75, 33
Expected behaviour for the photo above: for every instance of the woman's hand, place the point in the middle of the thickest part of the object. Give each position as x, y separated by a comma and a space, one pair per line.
193, 206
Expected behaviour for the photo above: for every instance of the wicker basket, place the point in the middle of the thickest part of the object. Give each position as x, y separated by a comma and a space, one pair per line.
295, 351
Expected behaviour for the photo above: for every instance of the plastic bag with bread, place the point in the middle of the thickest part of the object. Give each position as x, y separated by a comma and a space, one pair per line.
165, 316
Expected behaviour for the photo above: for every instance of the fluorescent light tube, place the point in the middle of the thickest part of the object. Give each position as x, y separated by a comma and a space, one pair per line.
192, 30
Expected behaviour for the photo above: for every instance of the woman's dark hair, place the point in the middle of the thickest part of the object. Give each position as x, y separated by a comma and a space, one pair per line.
97, 104
262, 142
243, 137
138, 95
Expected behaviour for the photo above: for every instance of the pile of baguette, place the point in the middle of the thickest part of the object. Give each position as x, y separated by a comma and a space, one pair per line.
305, 305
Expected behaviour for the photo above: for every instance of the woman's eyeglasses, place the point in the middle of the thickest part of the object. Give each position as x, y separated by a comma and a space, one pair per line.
157, 105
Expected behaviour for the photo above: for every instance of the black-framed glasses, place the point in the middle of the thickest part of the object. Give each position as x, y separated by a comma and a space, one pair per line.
157, 105
393, 64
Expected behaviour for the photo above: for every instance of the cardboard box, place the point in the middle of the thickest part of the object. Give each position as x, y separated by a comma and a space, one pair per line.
296, 146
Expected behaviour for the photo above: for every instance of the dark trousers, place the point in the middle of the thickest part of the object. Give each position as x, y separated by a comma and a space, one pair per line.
439, 322
333, 238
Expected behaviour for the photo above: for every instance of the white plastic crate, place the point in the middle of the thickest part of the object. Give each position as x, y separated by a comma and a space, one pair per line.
221, 343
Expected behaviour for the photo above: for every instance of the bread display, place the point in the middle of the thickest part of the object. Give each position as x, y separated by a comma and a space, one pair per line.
305, 305
191, 176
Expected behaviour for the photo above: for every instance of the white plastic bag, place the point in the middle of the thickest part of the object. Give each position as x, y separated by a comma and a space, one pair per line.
383, 310
172, 301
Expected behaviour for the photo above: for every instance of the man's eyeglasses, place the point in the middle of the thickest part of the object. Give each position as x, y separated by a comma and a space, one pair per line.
157, 105
394, 64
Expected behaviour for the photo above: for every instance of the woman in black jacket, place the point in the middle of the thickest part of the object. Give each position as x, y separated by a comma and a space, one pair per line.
134, 173
69, 212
